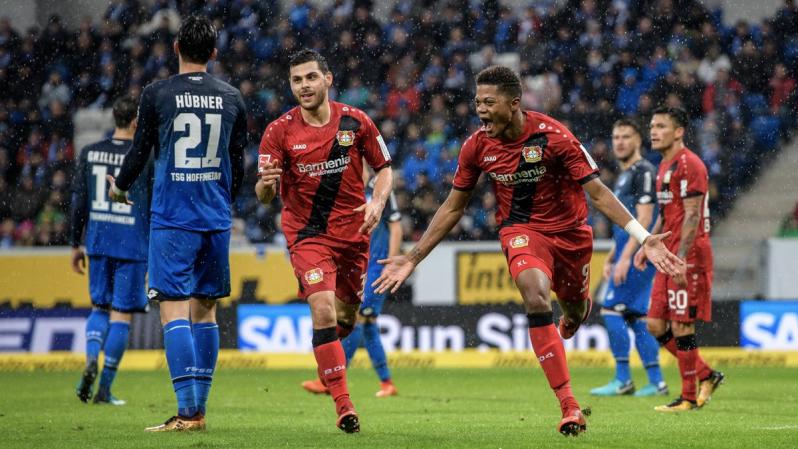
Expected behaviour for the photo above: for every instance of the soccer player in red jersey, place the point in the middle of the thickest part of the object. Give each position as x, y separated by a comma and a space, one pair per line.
316, 151
538, 170
678, 301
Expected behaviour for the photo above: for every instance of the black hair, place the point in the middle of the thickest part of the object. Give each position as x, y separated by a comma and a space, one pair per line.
125, 111
677, 115
630, 123
196, 39
308, 55
503, 78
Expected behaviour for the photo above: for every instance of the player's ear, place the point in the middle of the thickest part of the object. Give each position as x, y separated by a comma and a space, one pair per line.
515, 104
134, 124
679, 132
328, 78
176, 48
214, 54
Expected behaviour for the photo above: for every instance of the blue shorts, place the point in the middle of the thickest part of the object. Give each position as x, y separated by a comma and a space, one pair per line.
631, 297
187, 264
118, 284
372, 302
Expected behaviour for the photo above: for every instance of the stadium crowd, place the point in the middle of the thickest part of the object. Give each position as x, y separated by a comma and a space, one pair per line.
587, 63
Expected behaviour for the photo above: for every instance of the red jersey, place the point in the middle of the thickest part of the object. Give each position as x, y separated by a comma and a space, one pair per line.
322, 180
537, 178
685, 176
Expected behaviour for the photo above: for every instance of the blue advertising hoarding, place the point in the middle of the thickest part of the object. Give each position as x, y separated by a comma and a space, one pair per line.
769, 325
275, 328
43, 330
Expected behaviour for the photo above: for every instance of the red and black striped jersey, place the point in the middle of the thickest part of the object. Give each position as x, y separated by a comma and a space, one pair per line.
680, 177
322, 180
537, 177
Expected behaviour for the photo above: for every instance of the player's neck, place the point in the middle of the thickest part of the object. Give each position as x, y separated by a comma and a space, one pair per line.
123, 134
670, 153
190, 67
319, 116
516, 126
625, 164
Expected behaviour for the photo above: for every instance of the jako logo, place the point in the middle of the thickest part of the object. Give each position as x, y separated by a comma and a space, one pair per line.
490, 158
336, 369
299, 146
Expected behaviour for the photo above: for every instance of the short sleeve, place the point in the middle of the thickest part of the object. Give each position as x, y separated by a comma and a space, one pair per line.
580, 165
373, 146
467, 173
644, 186
693, 179
391, 211
271, 144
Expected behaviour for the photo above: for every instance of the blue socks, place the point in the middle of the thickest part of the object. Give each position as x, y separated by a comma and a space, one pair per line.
115, 345
96, 330
371, 331
619, 344
648, 348
206, 348
352, 342
179, 345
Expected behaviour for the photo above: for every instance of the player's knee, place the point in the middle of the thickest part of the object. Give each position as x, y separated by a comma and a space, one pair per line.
655, 328
536, 301
121, 316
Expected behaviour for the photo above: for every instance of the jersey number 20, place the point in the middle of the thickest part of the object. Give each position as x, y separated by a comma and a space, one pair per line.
194, 139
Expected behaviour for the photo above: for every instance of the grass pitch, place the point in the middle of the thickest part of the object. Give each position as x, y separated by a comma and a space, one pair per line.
458, 408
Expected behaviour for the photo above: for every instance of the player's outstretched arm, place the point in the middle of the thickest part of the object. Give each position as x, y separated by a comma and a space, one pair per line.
604, 200
399, 268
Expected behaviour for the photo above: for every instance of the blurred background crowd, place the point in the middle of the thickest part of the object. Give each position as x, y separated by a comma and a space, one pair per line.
585, 62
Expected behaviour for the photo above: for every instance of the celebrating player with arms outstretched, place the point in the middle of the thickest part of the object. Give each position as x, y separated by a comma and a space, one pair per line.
319, 147
626, 303
116, 242
536, 167
197, 125
678, 301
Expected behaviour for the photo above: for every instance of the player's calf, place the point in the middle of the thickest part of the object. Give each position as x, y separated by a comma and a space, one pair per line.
568, 326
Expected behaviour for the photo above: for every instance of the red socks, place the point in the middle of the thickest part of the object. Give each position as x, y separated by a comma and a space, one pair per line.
332, 372
550, 352
702, 369
687, 353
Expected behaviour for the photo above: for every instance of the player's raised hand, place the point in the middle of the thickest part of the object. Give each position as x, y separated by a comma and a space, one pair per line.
78, 260
373, 212
621, 270
395, 271
116, 195
664, 260
268, 174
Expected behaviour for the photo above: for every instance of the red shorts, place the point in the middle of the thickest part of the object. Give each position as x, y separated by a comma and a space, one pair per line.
563, 256
320, 265
673, 303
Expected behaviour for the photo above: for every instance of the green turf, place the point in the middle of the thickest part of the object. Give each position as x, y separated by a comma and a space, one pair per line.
486, 408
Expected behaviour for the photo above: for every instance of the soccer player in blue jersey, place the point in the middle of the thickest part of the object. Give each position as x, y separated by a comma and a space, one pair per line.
116, 243
197, 126
626, 302
386, 240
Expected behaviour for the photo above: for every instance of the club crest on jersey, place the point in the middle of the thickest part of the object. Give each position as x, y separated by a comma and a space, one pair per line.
532, 153
519, 241
345, 138
314, 276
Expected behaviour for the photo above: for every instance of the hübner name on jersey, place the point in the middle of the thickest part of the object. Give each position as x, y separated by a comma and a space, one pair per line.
532, 175
323, 168
198, 101
102, 157
196, 177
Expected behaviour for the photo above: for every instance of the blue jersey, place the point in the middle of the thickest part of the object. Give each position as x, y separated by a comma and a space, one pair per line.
381, 236
197, 125
112, 229
634, 186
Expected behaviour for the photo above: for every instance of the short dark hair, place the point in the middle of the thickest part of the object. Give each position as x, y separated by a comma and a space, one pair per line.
628, 122
308, 55
196, 39
125, 111
677, 115
503, 78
